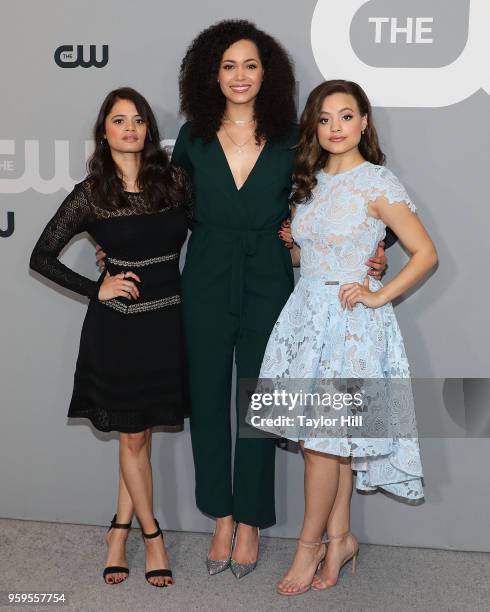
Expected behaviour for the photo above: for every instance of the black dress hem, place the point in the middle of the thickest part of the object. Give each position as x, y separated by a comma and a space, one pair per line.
114, 428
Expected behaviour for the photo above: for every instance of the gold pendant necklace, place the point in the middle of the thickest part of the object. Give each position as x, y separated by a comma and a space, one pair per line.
240, 147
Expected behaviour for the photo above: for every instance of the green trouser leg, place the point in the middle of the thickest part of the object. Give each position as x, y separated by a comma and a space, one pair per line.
254, 468
210, 355
210, 358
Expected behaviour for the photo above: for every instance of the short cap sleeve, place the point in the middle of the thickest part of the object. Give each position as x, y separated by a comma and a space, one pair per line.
388, 186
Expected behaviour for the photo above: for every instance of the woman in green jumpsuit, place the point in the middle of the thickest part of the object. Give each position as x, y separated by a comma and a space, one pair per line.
237, 275
236, 279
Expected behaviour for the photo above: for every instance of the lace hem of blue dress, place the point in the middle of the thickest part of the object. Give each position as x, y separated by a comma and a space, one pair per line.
392, 466
314, 338
384, 447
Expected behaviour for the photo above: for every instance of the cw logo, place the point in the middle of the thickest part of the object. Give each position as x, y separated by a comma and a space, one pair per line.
9, 230
31, 176
65, 57
421, 53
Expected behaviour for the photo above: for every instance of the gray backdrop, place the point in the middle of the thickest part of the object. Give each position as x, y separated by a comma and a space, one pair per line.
423, 65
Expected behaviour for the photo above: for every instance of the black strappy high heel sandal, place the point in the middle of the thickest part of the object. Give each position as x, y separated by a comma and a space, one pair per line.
164, 573
116, 569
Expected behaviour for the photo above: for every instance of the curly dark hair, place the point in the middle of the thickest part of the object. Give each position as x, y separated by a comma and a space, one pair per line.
158, 179
310, 157
201, 99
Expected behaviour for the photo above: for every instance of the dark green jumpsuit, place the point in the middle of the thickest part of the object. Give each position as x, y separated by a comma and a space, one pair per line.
236, 279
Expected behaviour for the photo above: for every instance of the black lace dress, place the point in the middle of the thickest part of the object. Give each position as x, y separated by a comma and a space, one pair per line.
131, 367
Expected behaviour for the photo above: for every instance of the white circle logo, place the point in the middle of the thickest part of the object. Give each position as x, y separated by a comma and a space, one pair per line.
421, 53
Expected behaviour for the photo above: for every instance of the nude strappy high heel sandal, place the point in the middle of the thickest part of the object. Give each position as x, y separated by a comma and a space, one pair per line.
307, 587
322, 585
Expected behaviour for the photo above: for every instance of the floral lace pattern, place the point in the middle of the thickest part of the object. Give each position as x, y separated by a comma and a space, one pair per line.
78, 210
334, 231
314, 338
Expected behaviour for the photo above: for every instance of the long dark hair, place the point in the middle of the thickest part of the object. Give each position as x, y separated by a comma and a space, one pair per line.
156, 177
201, 99
310, 155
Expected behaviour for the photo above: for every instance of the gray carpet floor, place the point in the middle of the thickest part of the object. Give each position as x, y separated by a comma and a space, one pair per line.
49, 557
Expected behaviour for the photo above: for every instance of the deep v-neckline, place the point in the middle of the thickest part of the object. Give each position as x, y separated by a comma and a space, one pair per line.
227, 164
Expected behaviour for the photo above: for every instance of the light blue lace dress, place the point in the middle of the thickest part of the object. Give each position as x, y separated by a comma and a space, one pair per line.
314, 338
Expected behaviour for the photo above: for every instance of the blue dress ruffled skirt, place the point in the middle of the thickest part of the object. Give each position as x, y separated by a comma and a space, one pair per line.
316, 345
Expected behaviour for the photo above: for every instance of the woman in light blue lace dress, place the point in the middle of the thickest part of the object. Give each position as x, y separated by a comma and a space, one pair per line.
338, 325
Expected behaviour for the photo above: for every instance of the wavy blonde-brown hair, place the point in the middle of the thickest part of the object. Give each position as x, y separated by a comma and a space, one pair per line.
310, 156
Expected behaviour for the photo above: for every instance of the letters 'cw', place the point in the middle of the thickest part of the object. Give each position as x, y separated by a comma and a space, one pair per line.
9, 230
61, 178
65, 56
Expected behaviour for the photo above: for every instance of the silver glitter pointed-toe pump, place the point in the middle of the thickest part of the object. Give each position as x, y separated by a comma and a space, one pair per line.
215, 566
242, 569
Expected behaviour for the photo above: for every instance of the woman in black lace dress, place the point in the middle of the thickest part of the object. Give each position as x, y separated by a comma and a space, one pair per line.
130, 372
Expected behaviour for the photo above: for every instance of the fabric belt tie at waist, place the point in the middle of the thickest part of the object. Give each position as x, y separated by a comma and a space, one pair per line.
244, 245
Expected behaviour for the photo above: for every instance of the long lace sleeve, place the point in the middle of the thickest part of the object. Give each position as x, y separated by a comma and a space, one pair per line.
181, 159
71, 218
181, 177
188, 198
179, 153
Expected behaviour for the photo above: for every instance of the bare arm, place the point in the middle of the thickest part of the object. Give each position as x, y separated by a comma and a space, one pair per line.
296, 255
286, 236
414, 237
378, 263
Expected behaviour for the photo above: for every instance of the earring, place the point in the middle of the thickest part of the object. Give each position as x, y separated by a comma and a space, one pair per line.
362, 131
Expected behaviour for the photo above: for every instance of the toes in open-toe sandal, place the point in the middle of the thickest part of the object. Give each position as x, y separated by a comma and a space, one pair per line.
116, 569
306, 587
163, 573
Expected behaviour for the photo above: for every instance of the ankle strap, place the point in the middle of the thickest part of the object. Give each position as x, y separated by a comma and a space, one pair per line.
311, 544
155, 534
337, 537
116, 525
